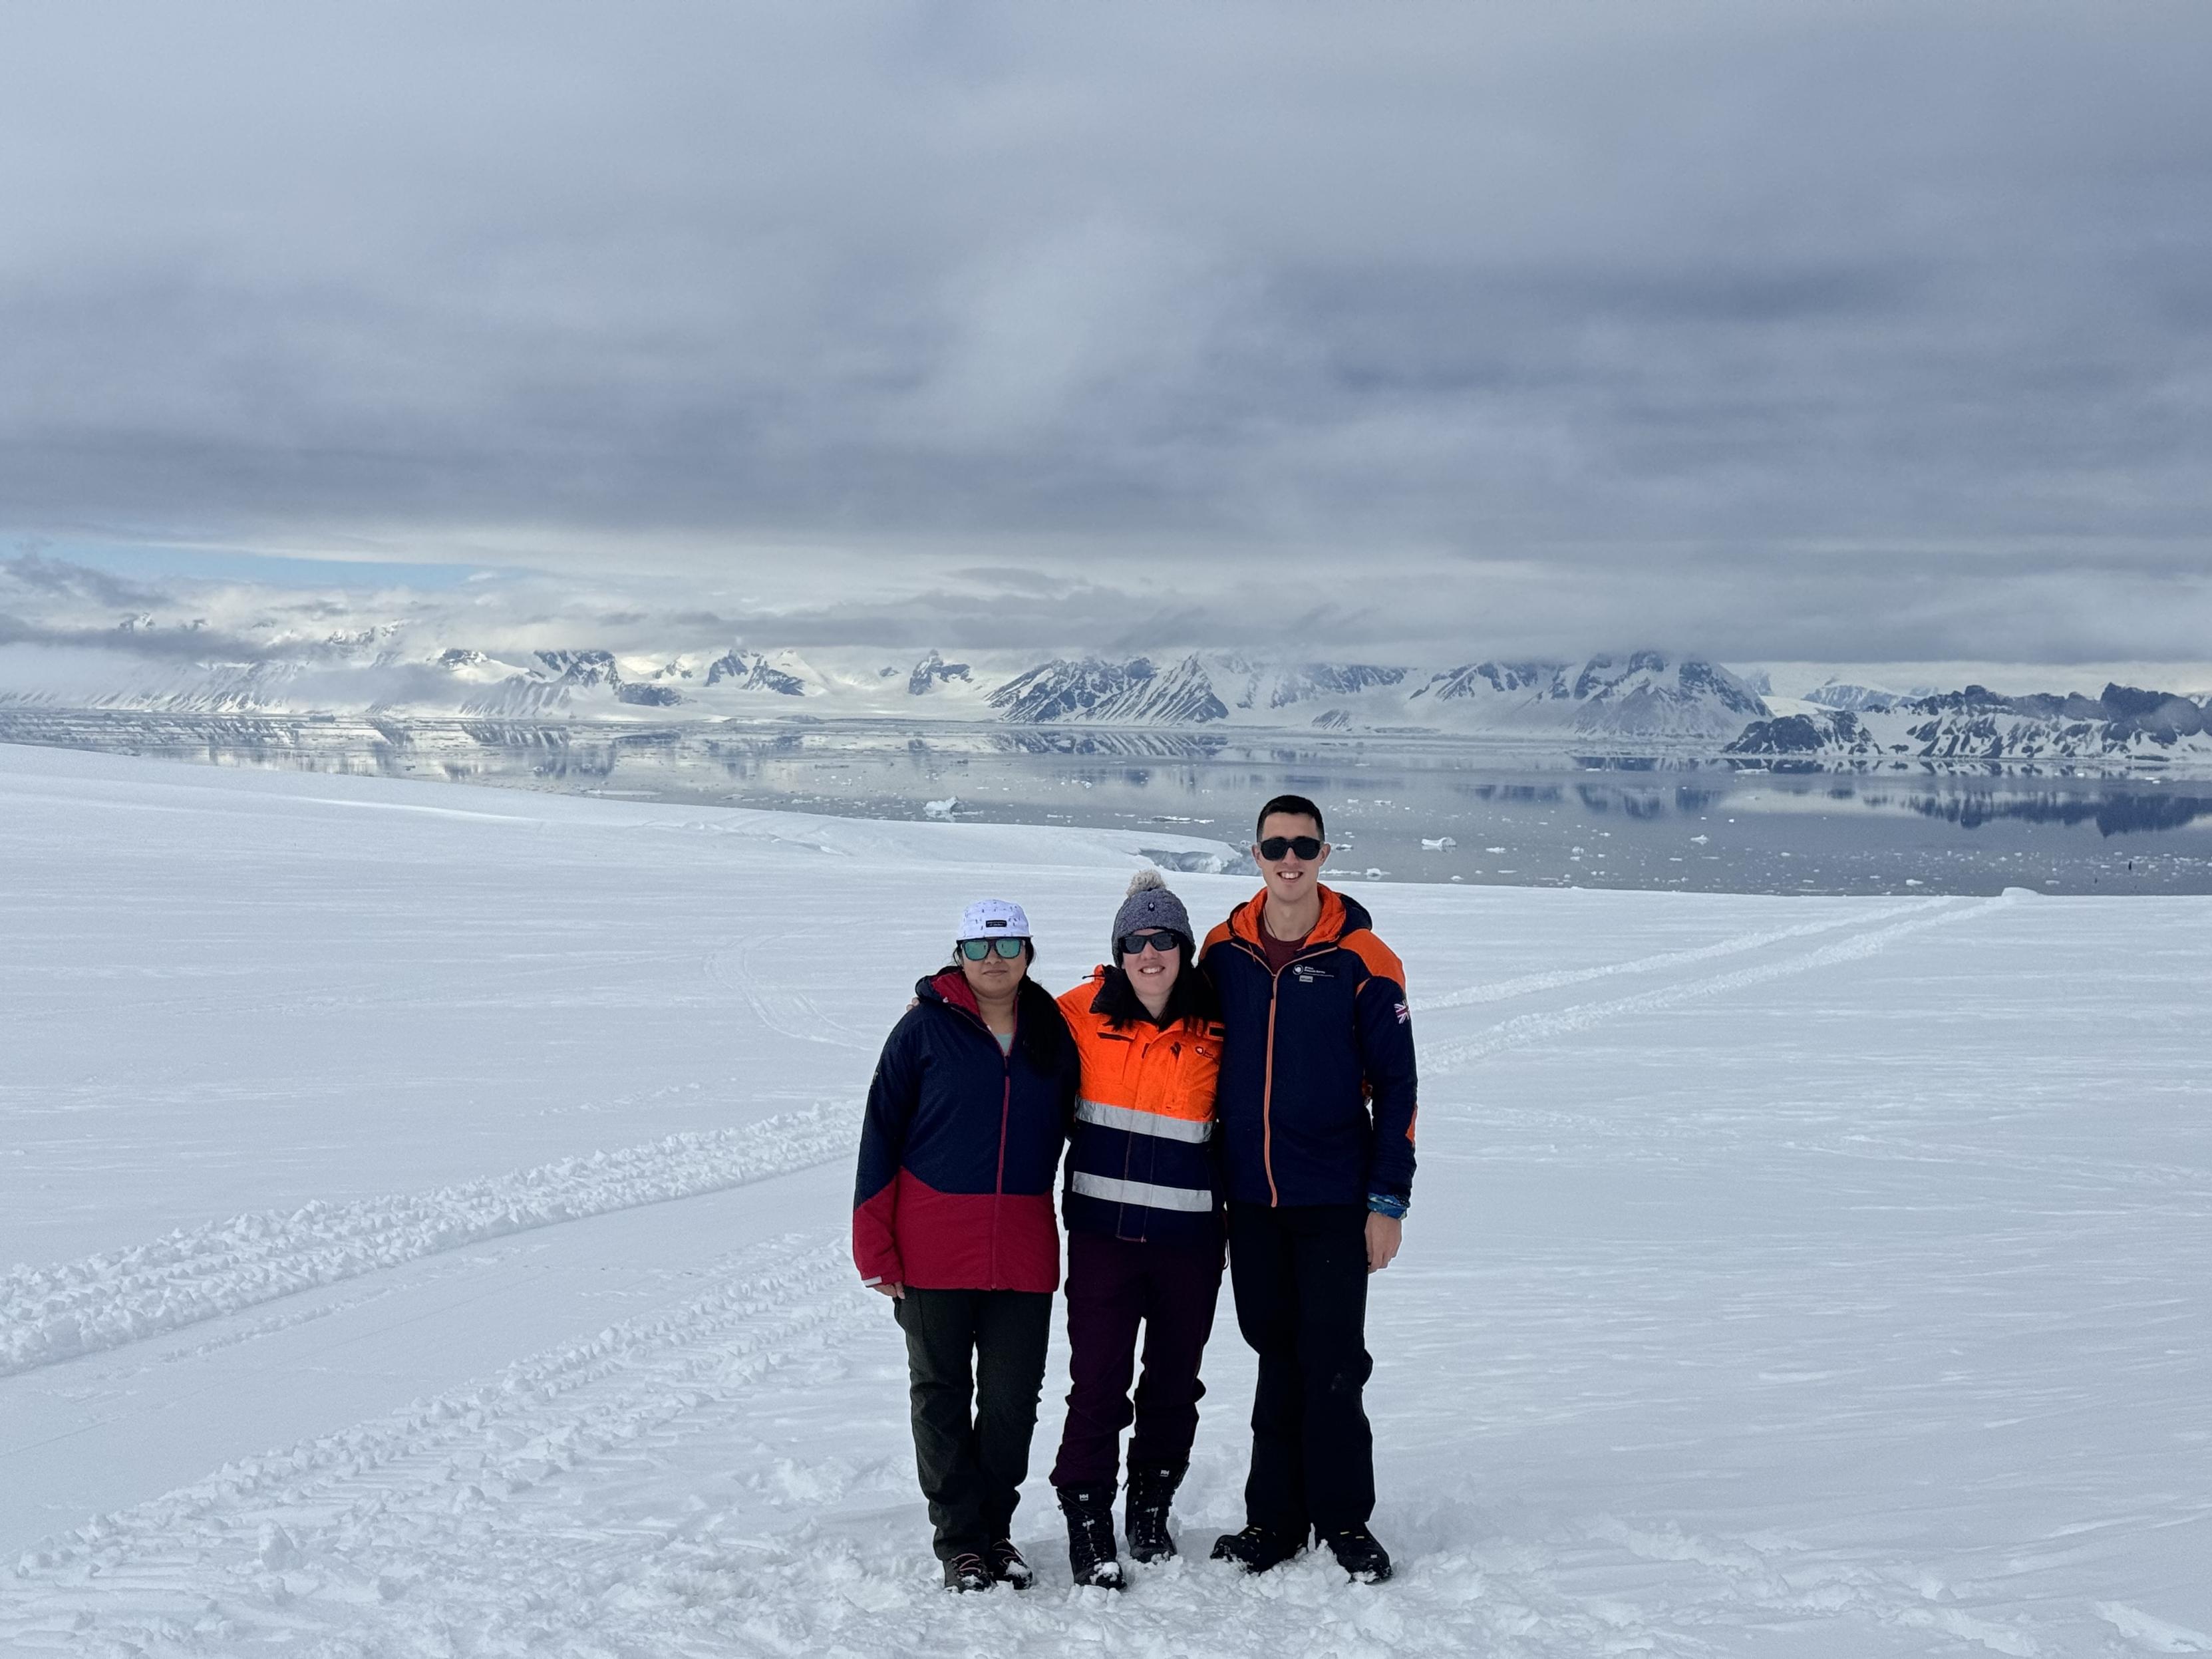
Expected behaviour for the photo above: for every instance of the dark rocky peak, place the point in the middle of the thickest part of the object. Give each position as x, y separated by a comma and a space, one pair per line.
932, 671
585, 668
1322, 679
1068, 688
749, 670
1482, 678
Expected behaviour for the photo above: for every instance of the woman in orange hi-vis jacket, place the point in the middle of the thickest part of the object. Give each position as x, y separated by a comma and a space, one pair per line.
1143, 1228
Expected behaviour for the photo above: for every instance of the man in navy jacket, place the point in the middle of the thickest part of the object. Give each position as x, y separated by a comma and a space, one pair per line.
1315, 1110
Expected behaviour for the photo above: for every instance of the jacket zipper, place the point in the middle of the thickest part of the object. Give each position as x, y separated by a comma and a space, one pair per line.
1006, 1118
1267, 1083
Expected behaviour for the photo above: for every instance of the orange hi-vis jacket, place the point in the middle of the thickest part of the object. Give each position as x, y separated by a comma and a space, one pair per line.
1139, 1164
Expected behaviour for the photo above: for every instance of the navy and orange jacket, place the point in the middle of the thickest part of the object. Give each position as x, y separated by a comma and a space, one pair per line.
1138, 1165
1316, 1103
959, 1148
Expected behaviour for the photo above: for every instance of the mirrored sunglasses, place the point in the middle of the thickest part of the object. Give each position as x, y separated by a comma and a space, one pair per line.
977, 949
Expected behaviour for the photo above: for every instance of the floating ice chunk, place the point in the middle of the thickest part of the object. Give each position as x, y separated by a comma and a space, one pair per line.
1436, 845
939, 809
1699, 840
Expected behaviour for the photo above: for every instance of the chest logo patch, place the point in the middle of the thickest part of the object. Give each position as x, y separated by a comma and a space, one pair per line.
1306, 973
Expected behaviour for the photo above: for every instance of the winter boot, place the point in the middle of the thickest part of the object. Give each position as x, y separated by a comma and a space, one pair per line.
1358, 1555
966, 1572
1090, 1512
1256, 1549
1007, 1566
1144, 1510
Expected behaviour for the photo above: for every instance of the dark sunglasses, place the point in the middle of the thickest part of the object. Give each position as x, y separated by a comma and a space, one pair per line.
1165, 941
977, 949
1306, 846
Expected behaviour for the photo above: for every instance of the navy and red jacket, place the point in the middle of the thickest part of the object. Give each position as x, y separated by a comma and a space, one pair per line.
1316, 1101
960, 1146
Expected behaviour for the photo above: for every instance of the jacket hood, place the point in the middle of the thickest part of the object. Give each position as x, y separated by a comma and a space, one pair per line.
1339, 915
948, 988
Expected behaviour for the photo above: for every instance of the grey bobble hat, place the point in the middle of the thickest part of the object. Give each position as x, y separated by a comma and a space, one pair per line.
1150, 904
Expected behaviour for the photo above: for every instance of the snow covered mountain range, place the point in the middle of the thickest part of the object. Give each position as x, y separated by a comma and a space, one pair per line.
1976, 725
72, 639
1637, 697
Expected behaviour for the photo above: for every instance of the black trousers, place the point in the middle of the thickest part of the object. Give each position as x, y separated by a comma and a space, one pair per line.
1299, 1274
1113, 1284
975, 1365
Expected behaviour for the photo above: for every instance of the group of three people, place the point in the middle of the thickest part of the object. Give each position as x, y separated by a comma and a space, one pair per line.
1259, 1090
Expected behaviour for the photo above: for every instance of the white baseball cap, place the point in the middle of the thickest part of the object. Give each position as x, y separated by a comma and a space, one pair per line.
993, 919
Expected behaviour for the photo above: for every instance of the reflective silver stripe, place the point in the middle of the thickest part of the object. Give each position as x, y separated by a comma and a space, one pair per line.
1143, 1123
1139, 1192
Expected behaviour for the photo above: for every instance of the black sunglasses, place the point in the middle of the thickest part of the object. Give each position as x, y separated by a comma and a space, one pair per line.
1163, 940
1306, 846
977, 949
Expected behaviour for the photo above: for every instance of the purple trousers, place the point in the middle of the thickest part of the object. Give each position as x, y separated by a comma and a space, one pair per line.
1113, 1285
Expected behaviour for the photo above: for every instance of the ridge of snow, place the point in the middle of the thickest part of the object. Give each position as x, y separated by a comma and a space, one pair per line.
191, 1274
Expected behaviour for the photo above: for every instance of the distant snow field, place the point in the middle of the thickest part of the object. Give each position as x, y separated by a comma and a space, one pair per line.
429, 1208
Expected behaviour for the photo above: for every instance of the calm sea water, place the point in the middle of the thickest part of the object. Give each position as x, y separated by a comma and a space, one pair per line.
1397, 811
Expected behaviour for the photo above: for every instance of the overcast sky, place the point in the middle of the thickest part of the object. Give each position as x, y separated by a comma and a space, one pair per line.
1774, 330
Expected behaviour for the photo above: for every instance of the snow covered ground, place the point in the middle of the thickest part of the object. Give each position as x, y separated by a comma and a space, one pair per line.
430, 1206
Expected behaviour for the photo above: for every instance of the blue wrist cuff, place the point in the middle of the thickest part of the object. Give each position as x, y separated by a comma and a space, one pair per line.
1388, 1203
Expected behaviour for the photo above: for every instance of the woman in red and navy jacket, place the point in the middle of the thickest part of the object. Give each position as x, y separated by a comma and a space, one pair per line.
1143, 1228
952, 1219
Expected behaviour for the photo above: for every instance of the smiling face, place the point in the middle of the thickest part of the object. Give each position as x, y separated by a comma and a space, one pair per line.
996, 977
1153, 972
1290, 878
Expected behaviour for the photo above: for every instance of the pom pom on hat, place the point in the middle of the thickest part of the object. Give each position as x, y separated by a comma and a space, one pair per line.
1150, 904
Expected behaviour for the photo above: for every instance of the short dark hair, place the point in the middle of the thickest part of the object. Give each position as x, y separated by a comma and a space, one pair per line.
1296, 805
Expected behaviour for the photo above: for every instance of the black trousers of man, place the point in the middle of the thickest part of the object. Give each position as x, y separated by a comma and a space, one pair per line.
1300, 1275
975, 1367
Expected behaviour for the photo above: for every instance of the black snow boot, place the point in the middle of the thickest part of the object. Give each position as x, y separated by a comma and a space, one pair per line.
966, 1572
1007, 1566
1256, 1549
1090, 1512
1145, 1509
1358, 1555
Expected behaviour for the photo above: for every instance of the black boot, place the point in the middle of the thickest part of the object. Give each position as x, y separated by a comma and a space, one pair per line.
1256, 1549
1007, 1566
1090, 1512
1355, 1551
1144, 1510
966, 1573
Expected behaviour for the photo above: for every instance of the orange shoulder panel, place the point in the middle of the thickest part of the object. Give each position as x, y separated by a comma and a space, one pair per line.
1380, 958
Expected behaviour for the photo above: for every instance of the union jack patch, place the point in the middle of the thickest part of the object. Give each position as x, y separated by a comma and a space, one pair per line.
1404, 1013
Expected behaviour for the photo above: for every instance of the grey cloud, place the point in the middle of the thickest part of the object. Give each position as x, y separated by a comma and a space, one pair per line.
1501, 322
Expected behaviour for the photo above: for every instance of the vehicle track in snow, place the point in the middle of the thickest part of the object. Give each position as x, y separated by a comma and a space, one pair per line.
104, 1301
565, 1505
350, 1521
621, 1494
1529, 984
752, 970
1525, 1030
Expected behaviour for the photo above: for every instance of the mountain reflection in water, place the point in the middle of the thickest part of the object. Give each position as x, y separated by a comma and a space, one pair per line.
1397, 810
